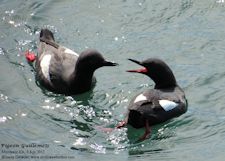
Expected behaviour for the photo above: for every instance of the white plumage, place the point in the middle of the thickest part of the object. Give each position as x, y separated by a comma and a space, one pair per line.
69, 51
167, 105
45, 62
139, 98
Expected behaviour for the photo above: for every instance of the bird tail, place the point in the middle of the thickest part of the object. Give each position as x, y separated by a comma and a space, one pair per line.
47, 35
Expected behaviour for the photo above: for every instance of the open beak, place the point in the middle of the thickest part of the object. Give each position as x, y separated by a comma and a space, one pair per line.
108, 63
142, 70
135, 61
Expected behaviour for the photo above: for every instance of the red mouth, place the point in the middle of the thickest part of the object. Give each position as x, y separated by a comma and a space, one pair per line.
142, 70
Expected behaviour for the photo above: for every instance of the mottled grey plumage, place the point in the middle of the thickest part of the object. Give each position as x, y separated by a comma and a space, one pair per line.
167, 100
61, 70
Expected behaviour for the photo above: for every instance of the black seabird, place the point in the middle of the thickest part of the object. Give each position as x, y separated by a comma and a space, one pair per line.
61, 70
167, 100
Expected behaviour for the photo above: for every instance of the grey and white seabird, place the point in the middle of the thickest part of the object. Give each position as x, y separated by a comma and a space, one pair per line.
153, 106
61, 70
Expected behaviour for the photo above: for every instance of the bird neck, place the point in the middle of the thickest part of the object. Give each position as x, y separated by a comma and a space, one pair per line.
83, 81
165, 81
165, 85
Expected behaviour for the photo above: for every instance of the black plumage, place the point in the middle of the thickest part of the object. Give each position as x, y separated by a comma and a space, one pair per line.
61, 70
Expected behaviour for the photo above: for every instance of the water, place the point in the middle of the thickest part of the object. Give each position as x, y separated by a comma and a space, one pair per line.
188, 35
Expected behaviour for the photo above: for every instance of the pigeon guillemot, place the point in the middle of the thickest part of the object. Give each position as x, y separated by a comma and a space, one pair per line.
167, 100
61, 70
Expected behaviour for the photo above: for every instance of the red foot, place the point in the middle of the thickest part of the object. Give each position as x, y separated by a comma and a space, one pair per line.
147, 132
30, 56
121, 124
104, 129
108, 130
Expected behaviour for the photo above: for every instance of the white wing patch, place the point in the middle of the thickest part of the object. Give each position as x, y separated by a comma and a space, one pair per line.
139, 98
167, 105
69, 51
45, 62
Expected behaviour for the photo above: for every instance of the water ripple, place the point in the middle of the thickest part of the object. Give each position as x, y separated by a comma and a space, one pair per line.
185, 33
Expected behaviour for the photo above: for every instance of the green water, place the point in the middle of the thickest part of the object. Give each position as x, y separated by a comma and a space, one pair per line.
189, 35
